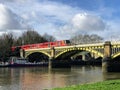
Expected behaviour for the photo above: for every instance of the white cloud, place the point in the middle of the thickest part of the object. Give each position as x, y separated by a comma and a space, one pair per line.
87, 22
112, 32
9, 20
57, 19
44, 16
20, 1
82, 23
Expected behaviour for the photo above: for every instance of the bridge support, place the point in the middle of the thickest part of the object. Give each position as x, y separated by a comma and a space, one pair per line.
22, 53
107, 56
52, 57
50, 63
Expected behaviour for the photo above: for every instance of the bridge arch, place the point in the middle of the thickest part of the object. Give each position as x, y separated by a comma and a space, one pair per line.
38, 57
43, 52
115, 55
80, 49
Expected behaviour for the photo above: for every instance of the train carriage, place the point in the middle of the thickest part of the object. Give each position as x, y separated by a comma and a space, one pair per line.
43, 45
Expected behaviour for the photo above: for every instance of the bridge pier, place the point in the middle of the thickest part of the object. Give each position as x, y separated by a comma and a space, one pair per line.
51, 58
106, 64
22, 53
50, 63
107, 57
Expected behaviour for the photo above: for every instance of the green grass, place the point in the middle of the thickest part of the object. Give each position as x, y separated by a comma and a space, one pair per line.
105, 85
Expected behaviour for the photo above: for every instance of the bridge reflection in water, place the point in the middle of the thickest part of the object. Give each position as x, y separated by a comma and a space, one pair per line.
39, 78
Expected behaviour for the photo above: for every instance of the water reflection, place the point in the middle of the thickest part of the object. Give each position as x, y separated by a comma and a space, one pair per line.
111, 76
37, 78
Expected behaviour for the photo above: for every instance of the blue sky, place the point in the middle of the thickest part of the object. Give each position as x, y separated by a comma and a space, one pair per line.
62, 18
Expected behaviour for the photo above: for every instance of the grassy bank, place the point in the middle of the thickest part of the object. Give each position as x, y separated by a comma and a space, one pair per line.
105, 85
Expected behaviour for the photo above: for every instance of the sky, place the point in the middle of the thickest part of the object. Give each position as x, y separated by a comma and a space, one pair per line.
61, 18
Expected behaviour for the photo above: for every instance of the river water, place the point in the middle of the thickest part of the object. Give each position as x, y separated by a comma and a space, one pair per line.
39, 78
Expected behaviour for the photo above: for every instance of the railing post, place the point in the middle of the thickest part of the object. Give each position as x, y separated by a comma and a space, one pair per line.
107, 56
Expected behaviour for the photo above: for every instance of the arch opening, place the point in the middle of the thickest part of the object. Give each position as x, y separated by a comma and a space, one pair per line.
81, 57
67, 54
38, 57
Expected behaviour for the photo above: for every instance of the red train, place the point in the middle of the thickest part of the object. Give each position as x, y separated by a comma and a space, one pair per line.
43, 45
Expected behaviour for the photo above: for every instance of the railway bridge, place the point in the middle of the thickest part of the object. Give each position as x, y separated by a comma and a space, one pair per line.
105, 50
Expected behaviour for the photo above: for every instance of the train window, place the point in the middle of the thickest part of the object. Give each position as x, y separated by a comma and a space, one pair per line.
59, 43
67, 41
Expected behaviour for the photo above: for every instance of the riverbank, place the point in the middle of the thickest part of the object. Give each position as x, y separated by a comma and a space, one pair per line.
105, 85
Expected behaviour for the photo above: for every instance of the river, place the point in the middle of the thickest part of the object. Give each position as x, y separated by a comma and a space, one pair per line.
38, 78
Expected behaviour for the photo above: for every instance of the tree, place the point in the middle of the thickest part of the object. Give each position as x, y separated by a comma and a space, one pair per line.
30, 37
84, 39
95, 38
6, 41
49, 38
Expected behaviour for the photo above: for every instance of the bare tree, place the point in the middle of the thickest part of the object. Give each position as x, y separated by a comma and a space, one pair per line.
49, 38
6, 42
30, 37
84, 39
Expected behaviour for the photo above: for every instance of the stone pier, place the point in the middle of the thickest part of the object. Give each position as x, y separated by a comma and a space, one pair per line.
51, 58
107, 56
